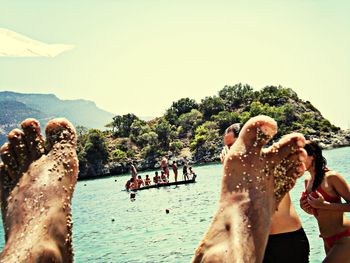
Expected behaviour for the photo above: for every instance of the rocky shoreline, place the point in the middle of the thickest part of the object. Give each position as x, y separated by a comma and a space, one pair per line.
334, 140
330, 141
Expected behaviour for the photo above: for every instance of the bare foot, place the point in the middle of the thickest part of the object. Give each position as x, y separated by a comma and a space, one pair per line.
36, 191
254, 182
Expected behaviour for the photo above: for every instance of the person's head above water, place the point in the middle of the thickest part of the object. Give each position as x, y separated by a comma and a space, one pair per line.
315, 162
231, 134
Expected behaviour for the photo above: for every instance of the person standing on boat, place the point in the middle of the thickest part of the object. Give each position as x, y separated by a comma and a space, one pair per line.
184, 171
174, 166
192, 173
133, 170
164, 165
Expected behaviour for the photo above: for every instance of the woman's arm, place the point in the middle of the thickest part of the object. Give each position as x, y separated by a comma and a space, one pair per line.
320, 203
305, 205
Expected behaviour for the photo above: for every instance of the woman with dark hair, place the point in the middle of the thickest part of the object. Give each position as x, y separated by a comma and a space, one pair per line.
324, 189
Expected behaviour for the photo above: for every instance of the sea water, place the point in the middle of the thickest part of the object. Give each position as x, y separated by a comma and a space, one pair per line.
109, 227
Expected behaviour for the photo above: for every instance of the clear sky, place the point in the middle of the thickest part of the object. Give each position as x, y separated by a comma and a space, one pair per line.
140, 56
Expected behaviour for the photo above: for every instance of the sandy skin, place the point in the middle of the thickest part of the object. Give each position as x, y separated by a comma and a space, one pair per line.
37, 183
253, 184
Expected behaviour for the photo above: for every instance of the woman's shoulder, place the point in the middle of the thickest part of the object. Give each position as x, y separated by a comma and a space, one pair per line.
333, 177
330, 174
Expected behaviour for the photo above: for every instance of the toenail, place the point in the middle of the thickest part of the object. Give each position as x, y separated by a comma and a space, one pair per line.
300, 142
267, 130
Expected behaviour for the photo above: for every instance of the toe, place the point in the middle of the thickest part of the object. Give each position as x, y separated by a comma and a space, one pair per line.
33, 138
19, 147
8, 157
286, 173
284, 184
6, 185
60, 130
258, 131
2, 176
288, 145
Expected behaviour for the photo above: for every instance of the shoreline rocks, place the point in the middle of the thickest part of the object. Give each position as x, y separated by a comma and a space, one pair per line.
333, 140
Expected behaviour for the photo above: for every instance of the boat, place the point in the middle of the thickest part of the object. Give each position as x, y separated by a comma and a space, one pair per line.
191, 181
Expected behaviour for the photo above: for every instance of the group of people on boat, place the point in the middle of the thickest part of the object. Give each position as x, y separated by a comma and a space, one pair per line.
136, 181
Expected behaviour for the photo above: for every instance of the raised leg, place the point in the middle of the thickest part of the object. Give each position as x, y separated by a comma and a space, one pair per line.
254, 182
36, 190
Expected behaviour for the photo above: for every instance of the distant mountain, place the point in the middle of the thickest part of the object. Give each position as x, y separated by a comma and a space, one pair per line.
15, 107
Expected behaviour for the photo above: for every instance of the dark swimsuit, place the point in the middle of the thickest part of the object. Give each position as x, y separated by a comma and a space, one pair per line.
291, 247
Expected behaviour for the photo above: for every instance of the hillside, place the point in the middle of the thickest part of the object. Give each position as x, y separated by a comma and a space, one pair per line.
193, 131
9, 120
14, 107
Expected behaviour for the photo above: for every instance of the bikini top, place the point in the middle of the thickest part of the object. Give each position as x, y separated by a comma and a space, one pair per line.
327, 197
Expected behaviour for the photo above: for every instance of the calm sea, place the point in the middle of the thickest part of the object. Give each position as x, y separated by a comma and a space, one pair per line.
108, 227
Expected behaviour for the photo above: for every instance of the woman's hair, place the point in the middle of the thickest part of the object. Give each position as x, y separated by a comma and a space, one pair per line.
313, 149
235, 128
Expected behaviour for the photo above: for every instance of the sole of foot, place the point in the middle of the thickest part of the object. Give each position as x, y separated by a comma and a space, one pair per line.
255, 179
37, 180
